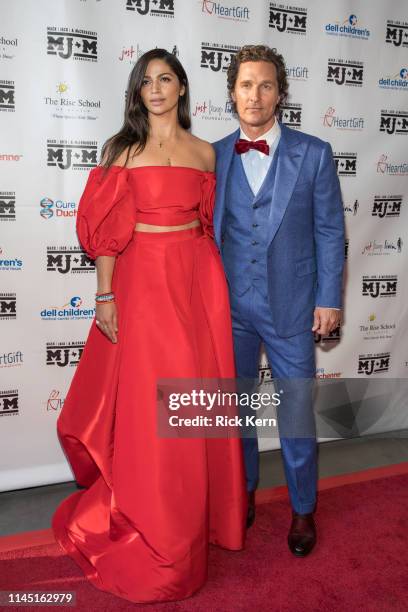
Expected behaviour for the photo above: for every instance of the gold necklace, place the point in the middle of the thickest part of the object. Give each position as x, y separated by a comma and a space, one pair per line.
161, 143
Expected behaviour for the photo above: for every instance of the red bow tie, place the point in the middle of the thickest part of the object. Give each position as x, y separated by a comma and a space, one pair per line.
243, 146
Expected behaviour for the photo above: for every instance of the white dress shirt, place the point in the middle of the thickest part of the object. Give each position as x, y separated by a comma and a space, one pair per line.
256, 164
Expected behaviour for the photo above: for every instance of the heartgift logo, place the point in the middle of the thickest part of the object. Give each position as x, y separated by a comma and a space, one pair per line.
386, 167
332, 120
224, 11
349, 28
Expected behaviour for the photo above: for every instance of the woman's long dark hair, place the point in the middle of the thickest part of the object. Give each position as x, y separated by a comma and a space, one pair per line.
135, 128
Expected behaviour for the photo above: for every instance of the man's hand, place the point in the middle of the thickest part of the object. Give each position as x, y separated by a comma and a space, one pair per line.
325, 320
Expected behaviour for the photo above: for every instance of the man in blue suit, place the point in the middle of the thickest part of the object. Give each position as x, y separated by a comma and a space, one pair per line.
279, 226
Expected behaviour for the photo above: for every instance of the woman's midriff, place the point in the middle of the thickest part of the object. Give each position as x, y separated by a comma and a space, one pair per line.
147, 227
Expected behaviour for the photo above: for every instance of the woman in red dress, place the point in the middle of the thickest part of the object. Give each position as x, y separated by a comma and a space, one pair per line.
151, 505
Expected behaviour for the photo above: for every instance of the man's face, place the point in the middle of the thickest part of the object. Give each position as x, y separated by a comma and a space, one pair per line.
256, 93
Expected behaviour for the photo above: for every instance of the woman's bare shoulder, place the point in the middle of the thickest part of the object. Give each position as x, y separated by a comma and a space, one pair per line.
205, 152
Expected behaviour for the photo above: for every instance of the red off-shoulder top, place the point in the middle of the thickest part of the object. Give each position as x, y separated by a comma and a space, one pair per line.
115, 199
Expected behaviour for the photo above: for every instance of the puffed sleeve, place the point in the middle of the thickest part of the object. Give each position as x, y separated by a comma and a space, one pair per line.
106, 214
206, 208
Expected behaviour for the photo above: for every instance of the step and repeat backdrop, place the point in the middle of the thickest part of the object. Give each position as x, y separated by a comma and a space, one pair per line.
64, 66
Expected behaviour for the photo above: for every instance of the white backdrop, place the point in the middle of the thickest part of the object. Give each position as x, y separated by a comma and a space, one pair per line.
64, 66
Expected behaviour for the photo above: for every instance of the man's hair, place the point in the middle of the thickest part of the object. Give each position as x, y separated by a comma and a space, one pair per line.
258, 53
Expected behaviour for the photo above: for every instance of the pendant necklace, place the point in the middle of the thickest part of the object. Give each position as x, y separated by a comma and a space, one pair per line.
168, 156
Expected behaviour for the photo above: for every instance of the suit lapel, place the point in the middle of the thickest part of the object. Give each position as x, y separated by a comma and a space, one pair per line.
291, 152
224, 160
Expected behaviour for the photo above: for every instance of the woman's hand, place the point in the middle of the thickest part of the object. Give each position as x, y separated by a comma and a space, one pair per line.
107, 320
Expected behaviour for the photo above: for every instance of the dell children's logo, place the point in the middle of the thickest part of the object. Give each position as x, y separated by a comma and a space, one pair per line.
349, 28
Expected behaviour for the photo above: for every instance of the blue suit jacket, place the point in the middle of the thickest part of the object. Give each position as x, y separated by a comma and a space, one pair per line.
305, 255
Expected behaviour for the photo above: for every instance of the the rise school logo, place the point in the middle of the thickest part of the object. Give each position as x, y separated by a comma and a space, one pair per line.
8, 47
397, 33
75, 154
394, 122
387, 206
286, 18
153, 8
7, 96
63, 105
345, 72
72, 43
346, 164
216, 56
349, 27
290, 114
68, 259
7, 205
225, 11
332, 120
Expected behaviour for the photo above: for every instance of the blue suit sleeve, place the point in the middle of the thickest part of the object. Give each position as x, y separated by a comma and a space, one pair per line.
329, 232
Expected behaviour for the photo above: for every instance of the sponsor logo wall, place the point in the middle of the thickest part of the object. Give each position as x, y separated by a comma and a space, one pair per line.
63, 81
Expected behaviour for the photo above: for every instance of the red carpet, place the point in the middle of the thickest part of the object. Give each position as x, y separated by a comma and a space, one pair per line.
360, 562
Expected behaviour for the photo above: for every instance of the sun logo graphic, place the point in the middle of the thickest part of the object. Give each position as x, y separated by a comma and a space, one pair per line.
62, 88
372, 317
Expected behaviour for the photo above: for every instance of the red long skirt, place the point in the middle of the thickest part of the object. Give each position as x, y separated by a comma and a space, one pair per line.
151, 505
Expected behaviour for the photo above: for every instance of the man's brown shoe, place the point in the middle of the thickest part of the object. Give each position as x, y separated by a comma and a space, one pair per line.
251, 509
302, 534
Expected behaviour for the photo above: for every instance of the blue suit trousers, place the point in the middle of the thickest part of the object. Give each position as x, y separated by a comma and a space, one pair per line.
292, 360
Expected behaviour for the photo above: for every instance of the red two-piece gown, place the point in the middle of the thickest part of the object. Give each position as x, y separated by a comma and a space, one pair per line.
151, 505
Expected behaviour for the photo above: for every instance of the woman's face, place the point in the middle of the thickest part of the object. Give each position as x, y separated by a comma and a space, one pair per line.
161, 88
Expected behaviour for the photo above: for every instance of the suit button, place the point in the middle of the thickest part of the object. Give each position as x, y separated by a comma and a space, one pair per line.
254, 261
254, 242
255, 206
255, 225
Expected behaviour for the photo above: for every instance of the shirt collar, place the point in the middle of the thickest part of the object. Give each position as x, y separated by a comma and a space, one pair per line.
270, 136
